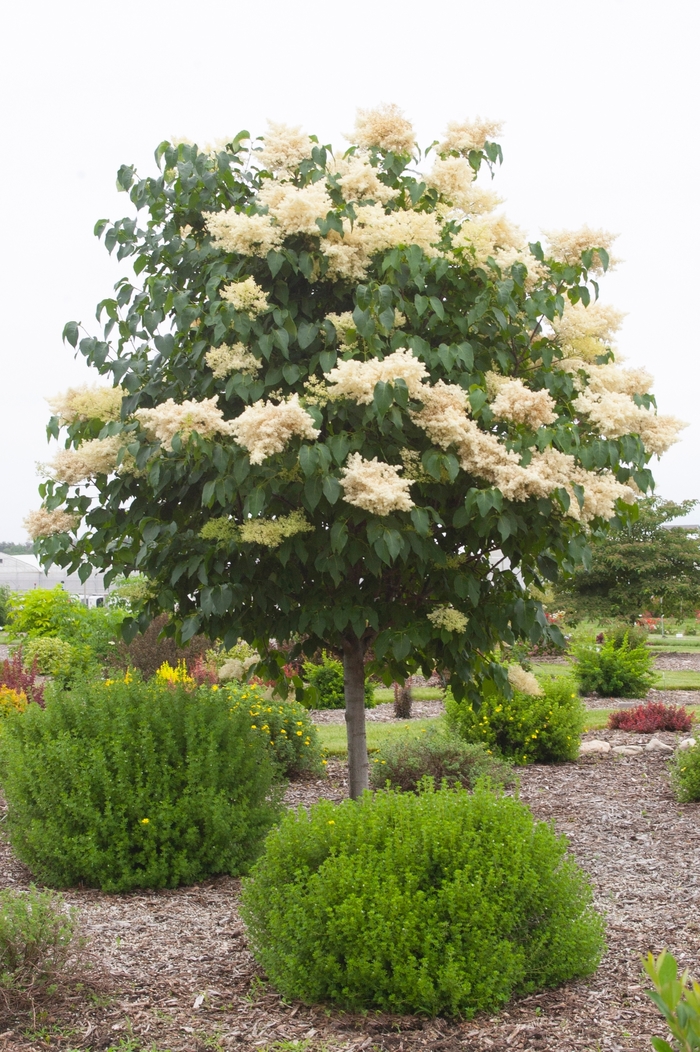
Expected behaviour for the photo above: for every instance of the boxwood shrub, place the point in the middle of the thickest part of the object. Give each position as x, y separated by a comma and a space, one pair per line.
129, 784
437, 902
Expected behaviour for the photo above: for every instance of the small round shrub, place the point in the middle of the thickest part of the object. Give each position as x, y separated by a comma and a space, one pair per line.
403, 762
285, 726
525, 728
651, 717
685, 774
56, 657
37, 936
440, 902
128, 784
617, 669
329, 681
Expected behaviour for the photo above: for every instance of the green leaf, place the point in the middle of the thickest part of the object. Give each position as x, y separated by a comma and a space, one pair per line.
308, 459
70, 333
438, 307
291, 373
383, 397
331, 489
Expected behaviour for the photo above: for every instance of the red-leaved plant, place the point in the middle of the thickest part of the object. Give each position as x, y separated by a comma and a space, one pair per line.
653, 716
16, 677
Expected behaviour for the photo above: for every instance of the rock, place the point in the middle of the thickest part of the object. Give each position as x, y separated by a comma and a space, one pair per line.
656, 745
628, 750
591, 748
687, 743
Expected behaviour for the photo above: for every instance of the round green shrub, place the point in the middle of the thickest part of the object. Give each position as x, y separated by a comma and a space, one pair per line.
525, 728
403, 762
440, 902
285, 726
685, 774
55, 657
617, 669
329, 681
132, 785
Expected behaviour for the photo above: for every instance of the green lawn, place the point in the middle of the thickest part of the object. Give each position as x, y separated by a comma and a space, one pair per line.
683, 680
383, 694
334, 742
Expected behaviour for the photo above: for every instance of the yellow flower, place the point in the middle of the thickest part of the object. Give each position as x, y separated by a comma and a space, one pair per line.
299, 733
145, 821
331, 821
253, 726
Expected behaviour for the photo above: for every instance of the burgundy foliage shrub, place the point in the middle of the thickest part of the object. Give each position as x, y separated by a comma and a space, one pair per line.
147, 651
14, 676
653, 716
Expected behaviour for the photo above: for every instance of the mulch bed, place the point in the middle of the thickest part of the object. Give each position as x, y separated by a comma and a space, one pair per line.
171, 969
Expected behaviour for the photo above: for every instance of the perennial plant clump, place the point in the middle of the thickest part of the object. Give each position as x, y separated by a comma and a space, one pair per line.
685, 774
617, 669
441, 902
38, 933
403, 762
125, 784
285, 727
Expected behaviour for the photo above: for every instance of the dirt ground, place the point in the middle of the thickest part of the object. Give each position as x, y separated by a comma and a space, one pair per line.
171, 969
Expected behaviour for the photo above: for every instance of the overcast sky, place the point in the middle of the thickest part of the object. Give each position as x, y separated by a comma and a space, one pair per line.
600, 103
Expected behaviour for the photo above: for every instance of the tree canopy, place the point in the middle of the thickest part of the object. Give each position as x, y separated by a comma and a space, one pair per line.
639, 565
351, 407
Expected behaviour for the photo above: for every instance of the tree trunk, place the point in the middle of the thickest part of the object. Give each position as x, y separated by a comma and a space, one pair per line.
354, 673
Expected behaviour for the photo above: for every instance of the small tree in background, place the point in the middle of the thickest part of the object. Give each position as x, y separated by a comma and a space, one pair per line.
638, 565
351, 407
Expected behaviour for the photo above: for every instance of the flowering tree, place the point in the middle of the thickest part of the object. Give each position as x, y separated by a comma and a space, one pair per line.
350, 406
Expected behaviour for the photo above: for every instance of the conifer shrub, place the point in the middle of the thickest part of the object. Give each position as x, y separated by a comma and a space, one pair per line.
37, 935
123, 785
525, 728
403, 762
437, 902
651, 717
617, 669
685, 774
285, 726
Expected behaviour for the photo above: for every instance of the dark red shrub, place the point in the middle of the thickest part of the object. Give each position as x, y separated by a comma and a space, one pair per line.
203, 673
653, 716
148, 651
16, 677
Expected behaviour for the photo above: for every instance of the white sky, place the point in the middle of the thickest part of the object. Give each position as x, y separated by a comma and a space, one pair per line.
600, 102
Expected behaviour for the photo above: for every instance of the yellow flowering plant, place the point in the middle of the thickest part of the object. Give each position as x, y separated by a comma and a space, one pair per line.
358, 408
284, 726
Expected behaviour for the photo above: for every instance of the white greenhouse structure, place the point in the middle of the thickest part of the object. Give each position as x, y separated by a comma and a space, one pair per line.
22, 573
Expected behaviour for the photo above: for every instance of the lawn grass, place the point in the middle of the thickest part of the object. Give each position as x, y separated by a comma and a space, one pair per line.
684, 679
384, 694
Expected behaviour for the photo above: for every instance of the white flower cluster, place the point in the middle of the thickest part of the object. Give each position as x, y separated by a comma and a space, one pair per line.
464, 136
524, 681
384, 127
246, 296
265, 427
98, 456
344, 325
356, 380
296, 209
87, 403
249, 235
615, 414
566, 246
284, 147
224, 360
448, 618
522, 405
45, 523
271, 532
587, 332
359, 180
237, 668
375, 486
169, 418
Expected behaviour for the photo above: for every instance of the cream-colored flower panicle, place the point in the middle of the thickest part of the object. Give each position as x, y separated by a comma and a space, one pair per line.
523, 681
518, 403
375, 486
45, 523
452, 177
265, 428
384, 127
169, 418
247, 235
356, 380
284, 147
448, 618
271, 532
88, 403
344, 325
566, 246
587, 332
296, 209
464, 136
237, 359
359, 180
246, 296
616, 414
95, 457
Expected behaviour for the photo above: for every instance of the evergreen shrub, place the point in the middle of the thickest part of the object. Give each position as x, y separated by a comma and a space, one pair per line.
617, 669
437, 902
124, 785
403, 762
37, 935
329, 681
526, 728
685, 774
285, 726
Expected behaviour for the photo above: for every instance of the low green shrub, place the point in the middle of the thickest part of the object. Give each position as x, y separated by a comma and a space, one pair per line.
37, 935
617, 669
685, 774
621, 635
329, 681
678, 999
526, 728
125, 784
58, 658
440, 902
285, 727
403, 762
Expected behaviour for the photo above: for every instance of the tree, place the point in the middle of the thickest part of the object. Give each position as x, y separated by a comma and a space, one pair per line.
352, 408
638, 565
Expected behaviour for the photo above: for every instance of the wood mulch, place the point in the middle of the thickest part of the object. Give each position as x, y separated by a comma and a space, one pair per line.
171, 969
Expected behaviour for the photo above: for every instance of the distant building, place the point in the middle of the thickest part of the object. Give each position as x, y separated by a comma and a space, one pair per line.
22, 573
